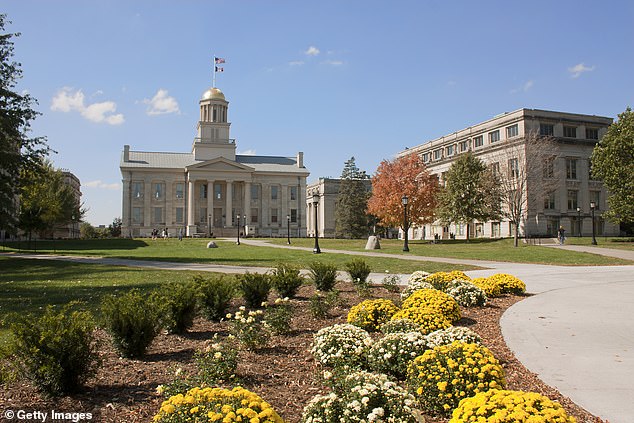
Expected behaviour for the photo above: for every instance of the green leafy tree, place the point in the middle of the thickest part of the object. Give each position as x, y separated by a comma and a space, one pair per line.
114, 228
471, 193
351, 220
613, 162
18, 151
46, 202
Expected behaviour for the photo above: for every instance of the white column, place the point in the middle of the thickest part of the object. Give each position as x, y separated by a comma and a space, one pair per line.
210, 203
191, 226
229, 205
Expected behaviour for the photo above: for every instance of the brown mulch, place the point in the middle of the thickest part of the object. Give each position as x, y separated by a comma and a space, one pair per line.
283, 373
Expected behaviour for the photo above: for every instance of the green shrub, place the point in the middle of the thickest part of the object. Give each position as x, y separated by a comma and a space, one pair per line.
324, 276
255, 288
178, 303
279, 315
358, 270
56, 351
321, 304
286, 280
133, 320
215, 294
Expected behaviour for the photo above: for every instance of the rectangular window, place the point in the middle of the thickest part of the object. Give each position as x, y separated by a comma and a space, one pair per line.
549, 167
218, 191
180, 190
449, 150
570, 131
158, 190
179, 214
546, 129
274, 192
158, 215
549, 201
137, 215
273, 215
255, 192
203, 191
293, 215
572, 199
137, 189
494, 136
478, 141
595, 196
464, 146
254, 215
571, 168
425, 157
592, 133
495, 229
293, 193
514, 168
512, 131
203, 216
437, 154
460, 229
495, 168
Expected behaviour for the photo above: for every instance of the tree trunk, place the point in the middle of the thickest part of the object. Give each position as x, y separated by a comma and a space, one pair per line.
516, 235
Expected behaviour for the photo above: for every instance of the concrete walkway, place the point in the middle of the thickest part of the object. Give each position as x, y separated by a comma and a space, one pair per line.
576, 332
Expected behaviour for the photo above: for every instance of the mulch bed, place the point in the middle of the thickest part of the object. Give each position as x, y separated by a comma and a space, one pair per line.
283, 373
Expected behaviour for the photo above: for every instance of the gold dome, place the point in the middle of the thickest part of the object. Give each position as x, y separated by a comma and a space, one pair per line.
213, 94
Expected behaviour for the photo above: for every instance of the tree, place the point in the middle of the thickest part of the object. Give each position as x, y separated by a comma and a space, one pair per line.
471, 192
46, 202
527, 162
351, 220
613, 162
405, 175
18, 152
114, 228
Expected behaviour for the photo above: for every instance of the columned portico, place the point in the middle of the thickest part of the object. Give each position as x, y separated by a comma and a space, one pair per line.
229, 205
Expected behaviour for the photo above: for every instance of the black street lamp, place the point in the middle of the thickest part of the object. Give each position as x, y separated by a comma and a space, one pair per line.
579, 221
405, 200
238, 217
209, 226
593, 205
316, 249
288, 229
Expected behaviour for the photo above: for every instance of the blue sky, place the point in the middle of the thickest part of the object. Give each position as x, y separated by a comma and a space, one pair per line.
333, 79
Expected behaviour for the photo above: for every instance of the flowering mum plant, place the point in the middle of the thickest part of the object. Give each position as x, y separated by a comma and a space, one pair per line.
434, 300
217, 362
443, 376
510, 407
392, 354
428, 320
341, 345
217, 404
439, 280
391, 281
399, 325
364, 397
414, 286
508, 284
371, 314
490, 287
418, 276
452, 333
279, 316
249, 328
466, 293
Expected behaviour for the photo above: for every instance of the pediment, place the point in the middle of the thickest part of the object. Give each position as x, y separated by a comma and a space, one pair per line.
220, 164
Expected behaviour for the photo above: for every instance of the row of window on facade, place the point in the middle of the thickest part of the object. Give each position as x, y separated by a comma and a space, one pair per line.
494, 136
158, 191
573, 200
158, 216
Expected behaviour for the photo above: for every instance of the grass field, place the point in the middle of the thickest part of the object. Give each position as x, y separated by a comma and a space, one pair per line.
617, 243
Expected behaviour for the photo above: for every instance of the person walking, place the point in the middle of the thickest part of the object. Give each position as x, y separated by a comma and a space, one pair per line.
562, 235
180, 234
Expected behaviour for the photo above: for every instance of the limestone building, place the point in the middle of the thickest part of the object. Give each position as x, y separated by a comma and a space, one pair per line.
498, 142
70, 230
212, 190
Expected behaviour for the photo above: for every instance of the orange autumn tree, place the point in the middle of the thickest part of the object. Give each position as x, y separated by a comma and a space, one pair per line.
406, 175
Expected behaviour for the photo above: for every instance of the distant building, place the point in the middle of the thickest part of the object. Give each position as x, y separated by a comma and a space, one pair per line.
212, 190
568, 205
70, 230
328, 190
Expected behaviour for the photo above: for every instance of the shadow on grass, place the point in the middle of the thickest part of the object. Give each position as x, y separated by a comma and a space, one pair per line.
77, 244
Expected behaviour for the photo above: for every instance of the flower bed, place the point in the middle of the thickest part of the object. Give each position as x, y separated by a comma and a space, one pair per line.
434, 301
341, 345
371, 314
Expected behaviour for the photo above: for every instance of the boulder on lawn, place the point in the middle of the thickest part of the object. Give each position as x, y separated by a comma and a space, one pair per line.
212, 244
373, 243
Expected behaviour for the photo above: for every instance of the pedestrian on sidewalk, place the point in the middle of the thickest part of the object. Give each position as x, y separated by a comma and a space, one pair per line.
562, 235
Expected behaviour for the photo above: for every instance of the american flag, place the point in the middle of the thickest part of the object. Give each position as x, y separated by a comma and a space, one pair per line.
218, 60
219, 69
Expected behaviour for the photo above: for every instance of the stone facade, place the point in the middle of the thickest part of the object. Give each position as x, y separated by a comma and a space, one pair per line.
212, 190
70, 230
567, 204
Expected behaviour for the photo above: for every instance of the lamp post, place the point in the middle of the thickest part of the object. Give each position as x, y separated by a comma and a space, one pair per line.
238, 242
593, 205
579, 221
316, 249
288, 229
405, 200
209, 225
244, 220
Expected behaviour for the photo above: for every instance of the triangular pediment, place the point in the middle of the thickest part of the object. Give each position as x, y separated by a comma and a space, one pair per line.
220, 164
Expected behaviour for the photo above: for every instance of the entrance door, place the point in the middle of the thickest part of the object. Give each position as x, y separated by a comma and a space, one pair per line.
218, 217
552, 226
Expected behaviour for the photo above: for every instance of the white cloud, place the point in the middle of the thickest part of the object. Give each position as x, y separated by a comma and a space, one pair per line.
525, 87
296, 63
312, 51
67, 100
333, 62
101, 185
161, 104
249, 152
578, 69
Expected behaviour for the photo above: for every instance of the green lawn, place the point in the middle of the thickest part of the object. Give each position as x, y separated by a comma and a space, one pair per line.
478, 249
603, 242
195, 251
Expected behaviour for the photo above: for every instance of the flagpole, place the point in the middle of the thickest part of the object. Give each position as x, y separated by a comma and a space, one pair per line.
213, 81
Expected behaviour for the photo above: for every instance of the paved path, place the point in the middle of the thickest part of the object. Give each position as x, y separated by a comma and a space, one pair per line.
576, 332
